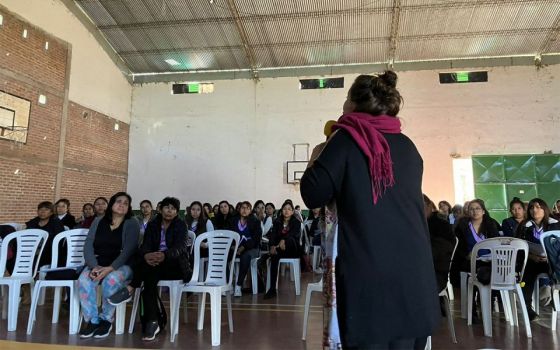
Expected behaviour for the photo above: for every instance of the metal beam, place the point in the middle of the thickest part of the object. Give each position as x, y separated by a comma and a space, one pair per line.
244, 38
395, 17
99, 37
333, 70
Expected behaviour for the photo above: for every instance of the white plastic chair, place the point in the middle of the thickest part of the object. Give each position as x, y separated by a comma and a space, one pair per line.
311, 287
556, 286
173, 286
503, 252
295, 273
75, 240
215, 283
29, 242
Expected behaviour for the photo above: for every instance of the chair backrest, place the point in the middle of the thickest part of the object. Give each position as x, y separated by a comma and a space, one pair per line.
75, 240
191, 237
219, 244
15, 225
552, 250
503, 257
30, 244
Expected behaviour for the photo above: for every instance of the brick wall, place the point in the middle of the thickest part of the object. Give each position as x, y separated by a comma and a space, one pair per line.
95, 154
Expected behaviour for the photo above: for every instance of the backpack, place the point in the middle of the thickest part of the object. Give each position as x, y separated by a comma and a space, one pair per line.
161, 313
552, 246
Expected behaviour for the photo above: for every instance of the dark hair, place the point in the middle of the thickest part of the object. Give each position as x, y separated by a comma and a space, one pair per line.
87, 205
201, 220
246, 203
101, 198
544, 206
516, 200
257, 203
376, 95
63, 200
146, 201
171, 201
109, 213
46, 205
429, 203
288, 202
207, 205
445, 203
272, 205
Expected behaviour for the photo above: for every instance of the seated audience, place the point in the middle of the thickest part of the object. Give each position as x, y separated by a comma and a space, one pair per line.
250, 232
63, 212
284, 243
208, 210
146, 215
215, 210
88, 215
269, 211
196, 219
517, 211
538, 221
47, 221
315, 230
108, 251
444, 209
456, 214
221, 221
100, 204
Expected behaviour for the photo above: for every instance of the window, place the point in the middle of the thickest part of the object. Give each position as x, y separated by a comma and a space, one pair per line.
14, 117
192, 88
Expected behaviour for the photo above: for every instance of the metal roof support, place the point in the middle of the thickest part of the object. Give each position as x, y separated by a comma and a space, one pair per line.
394, 32
244, 38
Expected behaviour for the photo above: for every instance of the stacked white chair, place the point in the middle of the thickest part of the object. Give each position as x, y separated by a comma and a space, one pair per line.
556, 286
503, 253
29, 243
75, 240
216, 282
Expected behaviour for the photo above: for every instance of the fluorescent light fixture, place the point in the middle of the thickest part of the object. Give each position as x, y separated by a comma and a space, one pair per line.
172, 62
42, 99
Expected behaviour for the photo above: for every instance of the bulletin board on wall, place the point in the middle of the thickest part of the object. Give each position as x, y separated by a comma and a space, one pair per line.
499, 178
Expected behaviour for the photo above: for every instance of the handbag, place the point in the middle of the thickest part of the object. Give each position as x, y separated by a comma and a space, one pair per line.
64, 273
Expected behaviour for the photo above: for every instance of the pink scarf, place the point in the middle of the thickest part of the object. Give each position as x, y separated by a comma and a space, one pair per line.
367, 131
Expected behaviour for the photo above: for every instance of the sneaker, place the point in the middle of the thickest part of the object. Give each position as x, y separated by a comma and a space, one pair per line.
237, 292
103, 330
270, 294
122, 296
88, 330
533, 316
151, 330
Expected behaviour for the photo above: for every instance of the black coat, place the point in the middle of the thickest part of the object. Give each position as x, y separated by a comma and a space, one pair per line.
255, 230
294, 232
385, 280
443, 242
177, 251
68, 220
53, 227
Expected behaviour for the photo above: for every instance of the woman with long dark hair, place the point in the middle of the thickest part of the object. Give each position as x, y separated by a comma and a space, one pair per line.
221, 221
108, 252
539, 220
517, 211
372, 173
196, 219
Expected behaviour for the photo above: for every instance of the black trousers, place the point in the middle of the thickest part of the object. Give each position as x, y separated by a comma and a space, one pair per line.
532, 270
151, 275
245, 263
398, 344
291, 252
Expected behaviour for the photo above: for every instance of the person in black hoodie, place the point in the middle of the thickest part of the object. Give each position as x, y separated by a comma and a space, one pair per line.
284, 243
222, 219
250, 232
538, 221
165, 256
45, 220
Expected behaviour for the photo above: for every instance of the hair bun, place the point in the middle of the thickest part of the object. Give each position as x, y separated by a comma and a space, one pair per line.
516, 199
389, 78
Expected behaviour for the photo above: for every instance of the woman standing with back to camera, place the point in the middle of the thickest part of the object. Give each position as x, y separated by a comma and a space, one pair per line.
387, 296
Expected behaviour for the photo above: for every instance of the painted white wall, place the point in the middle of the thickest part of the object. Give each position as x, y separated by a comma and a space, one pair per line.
95, 81
233, 144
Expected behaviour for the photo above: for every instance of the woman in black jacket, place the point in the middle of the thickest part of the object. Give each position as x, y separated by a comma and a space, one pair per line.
538, 221
284, 243
222, 219
250, 232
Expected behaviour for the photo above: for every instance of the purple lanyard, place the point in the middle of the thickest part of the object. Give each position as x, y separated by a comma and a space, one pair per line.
537, 232
194, 226
477, 237
241, 226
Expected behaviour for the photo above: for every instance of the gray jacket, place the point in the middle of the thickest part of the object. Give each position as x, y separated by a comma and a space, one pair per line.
130, 233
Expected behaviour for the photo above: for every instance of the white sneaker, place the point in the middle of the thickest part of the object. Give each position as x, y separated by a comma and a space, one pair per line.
237, 292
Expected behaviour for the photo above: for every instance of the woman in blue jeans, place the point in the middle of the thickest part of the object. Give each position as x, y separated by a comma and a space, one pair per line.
109, 247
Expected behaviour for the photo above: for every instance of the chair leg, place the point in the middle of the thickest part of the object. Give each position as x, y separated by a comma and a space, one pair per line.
135, 304
536, 302
486, 306
174, 327
120, 315
215, 316
297, 277
450, 323
292, 271
268, 275
56, 304
185, 309
4, 290
513, 305
201, 307
464, 278
428, 343
74, 301
13, 305
33, 309
254, 283
42, 276
504, 294
469, 296
230, 311
524, 310
450, 291
556, 305
306, 312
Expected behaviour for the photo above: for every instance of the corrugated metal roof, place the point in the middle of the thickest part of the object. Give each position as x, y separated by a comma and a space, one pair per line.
265, 34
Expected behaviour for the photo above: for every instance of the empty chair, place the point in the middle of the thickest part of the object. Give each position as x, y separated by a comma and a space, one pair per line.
215, 283
503, 257
74, 258
30, 243
311, 287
